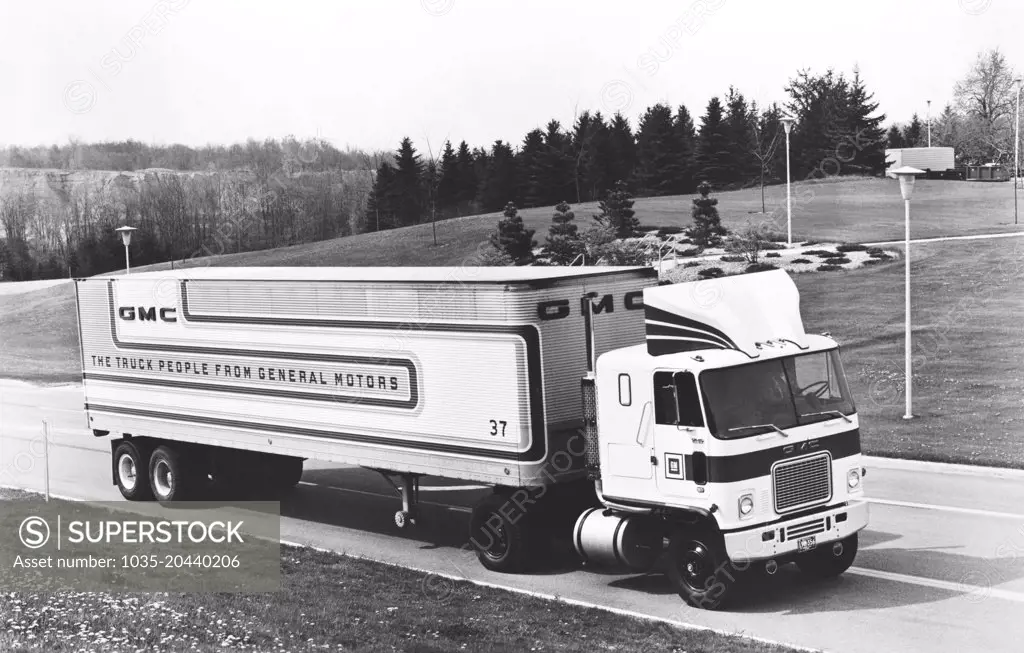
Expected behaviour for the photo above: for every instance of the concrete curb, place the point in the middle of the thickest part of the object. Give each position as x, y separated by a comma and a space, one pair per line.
904, 465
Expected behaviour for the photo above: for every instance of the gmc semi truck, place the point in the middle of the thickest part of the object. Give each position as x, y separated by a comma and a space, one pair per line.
695, 425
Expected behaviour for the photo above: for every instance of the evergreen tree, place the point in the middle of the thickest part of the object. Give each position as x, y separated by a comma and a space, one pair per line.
687, 139
556, 165
621, 160
740, 168
659, 156
564, 242
820, 106
409, 197
448, 185
617, 212
591, 148
379, 206
894, 138
912, 133
530, 166
867, 138
713, 146
513, 237
468, 182
707, 229
499, 187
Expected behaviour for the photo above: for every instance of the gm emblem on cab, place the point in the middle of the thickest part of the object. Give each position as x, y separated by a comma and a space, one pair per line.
673, 465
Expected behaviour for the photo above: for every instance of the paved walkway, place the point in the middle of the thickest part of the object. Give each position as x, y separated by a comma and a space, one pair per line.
1012, 234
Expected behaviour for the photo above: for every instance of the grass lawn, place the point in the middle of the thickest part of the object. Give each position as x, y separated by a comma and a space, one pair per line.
330, 602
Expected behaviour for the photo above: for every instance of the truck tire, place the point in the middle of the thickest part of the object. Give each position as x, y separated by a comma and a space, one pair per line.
502, 542
170, 476
822, 562
699, 569
131, 470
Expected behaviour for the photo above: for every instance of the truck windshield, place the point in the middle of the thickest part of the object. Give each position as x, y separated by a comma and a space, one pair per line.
775, 395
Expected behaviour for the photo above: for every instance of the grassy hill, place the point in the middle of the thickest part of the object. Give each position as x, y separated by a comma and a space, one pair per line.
851, 210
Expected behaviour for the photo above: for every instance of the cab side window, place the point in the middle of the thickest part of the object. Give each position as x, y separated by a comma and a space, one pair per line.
668, 386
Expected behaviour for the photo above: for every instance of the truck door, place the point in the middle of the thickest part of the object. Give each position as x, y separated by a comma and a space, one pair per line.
678, 418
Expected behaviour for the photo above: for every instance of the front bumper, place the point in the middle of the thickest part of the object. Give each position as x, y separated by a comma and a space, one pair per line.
826, 526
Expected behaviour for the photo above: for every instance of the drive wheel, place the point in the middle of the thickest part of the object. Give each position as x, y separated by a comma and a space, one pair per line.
131, 471
829, 560
169, 476
501, 542
699, 569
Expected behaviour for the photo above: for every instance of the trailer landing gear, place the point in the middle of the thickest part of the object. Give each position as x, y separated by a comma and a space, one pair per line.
410, 492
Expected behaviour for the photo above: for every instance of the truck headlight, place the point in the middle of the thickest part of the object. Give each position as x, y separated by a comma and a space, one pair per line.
853, 478
746, 505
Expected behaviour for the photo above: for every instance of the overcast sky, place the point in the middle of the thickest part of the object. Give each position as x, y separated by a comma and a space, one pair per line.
367, 72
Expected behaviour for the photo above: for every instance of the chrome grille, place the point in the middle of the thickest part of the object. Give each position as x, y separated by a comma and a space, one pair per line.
806, 528
802, 483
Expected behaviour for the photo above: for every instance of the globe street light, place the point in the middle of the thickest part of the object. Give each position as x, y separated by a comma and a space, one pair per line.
907, 175
787, 123
126, 238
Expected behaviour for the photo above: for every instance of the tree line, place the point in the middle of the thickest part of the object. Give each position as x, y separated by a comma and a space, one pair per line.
734, 144
980, 121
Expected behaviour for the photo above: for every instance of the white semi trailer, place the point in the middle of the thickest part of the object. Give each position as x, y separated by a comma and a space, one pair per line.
600, 405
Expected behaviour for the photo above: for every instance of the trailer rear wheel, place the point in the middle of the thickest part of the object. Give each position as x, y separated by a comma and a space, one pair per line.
287, 472
501, 541
131, 470
170, 476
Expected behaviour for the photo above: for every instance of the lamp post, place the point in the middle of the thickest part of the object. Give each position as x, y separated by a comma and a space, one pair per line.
906, 175
126, 238
787, 123
1016, 152
929, 123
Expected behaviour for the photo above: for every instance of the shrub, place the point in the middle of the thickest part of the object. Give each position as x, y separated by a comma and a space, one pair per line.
707, 230
617, 212
760, 267
851, 247
492, 256
875, 250
829, 268
801, 260
880, 254
670, 231
773, 255
690, 251
733, 259
771, 244
711, 273
750, 242
872, 261
836, 260
819, 252
646, 228
777, 237
691, 264
625, 252
513, 237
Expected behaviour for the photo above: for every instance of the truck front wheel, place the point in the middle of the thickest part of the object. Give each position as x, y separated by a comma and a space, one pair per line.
131, 470
170, 476
501, 541
699, 569
829, 560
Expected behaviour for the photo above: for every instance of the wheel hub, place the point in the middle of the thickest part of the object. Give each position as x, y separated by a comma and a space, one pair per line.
163, 478
127, 473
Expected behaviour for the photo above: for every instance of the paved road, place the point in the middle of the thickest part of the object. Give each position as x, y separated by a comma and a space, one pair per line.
941, 566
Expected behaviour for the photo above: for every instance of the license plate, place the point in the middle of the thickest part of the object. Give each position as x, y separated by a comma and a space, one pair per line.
805, 544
